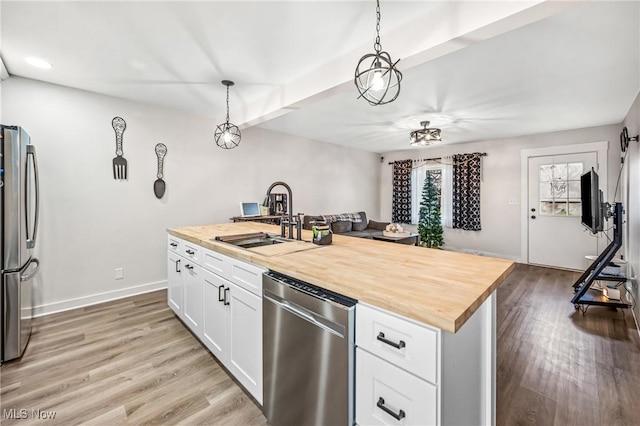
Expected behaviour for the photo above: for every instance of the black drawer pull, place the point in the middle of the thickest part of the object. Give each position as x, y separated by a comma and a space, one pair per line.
189, 267
190, 252
398, 345
226, 302
178, 266
220, 299
174, 244
399, 416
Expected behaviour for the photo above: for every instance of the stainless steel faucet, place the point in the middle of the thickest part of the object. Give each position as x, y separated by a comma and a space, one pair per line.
290, 221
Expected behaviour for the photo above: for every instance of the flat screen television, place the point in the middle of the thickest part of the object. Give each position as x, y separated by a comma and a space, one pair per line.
591, 200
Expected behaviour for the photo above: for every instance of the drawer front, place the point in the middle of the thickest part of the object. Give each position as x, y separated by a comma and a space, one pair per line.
381, 385
247, 276
216, 262
174, 244
191, 251
401, 342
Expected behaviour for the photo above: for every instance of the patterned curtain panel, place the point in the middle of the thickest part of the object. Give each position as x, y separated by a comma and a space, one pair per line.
466, 191
401, 202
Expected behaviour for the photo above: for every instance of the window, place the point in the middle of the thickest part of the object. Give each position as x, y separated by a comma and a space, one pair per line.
560, 189
443, 174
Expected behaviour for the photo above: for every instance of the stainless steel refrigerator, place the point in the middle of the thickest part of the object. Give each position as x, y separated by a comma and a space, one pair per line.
19, 205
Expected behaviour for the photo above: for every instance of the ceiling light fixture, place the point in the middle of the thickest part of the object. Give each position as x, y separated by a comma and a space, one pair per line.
425, 136
38, 63
376, 77
227, 135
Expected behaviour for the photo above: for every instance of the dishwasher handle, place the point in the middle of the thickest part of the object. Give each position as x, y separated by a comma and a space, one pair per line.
305, 314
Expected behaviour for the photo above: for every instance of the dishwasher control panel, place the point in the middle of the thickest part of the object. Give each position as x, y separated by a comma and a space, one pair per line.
311, 289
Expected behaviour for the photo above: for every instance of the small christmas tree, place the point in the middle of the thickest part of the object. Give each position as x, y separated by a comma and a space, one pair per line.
430, 224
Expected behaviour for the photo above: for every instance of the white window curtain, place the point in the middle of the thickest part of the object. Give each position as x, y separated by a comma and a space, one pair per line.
418, 175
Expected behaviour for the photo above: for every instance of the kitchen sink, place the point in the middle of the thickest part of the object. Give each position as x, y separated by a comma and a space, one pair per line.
258, 239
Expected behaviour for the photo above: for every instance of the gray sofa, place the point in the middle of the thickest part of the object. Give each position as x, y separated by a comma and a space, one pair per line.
350, 224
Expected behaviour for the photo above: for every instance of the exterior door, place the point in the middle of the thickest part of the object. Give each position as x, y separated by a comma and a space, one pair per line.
556, 235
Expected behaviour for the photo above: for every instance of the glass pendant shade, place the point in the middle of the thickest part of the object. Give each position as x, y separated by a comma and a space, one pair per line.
425, 136
227, 135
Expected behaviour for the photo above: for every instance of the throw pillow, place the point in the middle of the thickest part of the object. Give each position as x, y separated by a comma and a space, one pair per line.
360, 226
341, 226
378, 226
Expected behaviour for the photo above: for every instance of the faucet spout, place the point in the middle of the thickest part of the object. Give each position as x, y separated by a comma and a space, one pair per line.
267, 202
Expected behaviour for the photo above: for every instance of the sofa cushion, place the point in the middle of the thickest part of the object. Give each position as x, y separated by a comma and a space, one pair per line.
341, 226
360, 226
379, 226
361, 234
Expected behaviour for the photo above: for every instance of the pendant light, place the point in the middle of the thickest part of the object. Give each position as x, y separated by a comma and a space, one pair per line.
227, 135
376, 77
425, 136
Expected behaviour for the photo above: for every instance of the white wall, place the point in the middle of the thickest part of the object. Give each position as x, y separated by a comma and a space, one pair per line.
501, 222
631, 202
92, 224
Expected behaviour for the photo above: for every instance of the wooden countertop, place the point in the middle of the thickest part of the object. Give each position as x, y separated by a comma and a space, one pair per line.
437, 287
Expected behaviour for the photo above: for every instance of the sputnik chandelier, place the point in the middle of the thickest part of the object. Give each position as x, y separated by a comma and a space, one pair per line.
376, 76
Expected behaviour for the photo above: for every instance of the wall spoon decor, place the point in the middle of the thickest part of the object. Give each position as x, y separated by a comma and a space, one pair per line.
119, 162
159, 185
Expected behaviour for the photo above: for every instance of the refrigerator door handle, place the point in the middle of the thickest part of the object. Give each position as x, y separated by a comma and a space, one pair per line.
27, 277
31, 242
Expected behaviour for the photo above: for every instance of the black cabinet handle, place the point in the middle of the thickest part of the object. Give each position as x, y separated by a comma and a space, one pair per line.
226, 302
190, 252
189, 267
220, 299
398, 345
178, 266
399, 416
174, 244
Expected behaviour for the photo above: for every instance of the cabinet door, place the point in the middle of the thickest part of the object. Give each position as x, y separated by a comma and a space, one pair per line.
193, 307
175, 264
245, 340
216, 314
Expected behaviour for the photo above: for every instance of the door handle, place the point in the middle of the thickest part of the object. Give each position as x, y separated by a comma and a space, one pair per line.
31, 242
533, 210
533, 217
178, 266
27, 277
220, 298
226, 302
401, 415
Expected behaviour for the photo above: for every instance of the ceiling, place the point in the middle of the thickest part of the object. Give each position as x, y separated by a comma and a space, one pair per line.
478, 74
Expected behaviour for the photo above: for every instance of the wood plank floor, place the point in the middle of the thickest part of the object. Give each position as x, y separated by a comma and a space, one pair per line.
557, 366
132, 362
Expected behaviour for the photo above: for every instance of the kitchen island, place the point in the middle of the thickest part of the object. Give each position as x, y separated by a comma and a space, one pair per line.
424, 327
436, 287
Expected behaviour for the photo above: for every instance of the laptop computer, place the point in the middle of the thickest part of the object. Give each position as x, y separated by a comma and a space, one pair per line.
249, 209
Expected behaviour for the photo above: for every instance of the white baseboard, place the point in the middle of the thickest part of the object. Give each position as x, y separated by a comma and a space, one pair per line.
81, 302
483, 253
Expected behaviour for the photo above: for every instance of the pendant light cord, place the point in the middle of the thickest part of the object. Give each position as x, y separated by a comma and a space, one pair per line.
377, 46
227, 104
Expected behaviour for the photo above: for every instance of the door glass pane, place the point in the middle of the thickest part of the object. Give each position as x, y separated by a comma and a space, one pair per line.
575, 208
559, 189
559, 172
560, 209
546, 173
574, 190
575, 171
546, 207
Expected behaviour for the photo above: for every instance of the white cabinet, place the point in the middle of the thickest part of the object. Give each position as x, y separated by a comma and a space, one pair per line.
408, 373
245, 339
220, 299
193, 302
174, 282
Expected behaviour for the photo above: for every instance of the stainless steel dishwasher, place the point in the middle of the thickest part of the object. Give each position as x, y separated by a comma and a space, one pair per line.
308, 353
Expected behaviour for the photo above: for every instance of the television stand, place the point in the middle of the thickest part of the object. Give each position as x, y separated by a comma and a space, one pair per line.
585, 298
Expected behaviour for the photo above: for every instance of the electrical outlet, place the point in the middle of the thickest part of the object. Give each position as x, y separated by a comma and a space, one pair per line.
119, 273
513, 201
